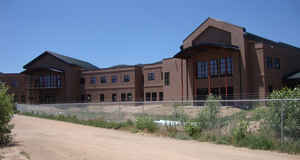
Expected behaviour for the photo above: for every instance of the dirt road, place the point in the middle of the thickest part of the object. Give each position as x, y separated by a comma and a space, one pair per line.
54, 140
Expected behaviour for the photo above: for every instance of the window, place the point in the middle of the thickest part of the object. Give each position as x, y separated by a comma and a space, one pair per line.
14, 83
114, 97
114, 79
89, 98
148, 96
82, 81
215, 91
161, 96
151, 76
222, 66
276, 63
129, 97
16, 98
123, 97
154, 96
82, 98
93, 80
270, 88
229, 65
269, 62
202, 70
23, 99
102, 79
213, 68
161, 75
167, 78
126, 78
101, 97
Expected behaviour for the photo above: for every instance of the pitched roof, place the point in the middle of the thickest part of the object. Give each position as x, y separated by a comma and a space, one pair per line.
209, 18
68, 60
294, 76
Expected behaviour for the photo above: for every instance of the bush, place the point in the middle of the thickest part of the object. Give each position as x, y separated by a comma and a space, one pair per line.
240, 132
6, 114
291, 110
146, 122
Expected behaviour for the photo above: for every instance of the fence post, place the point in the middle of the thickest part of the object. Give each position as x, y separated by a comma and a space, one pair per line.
119, 111
281, 125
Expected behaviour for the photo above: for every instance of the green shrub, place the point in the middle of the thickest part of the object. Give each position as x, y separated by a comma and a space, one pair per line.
290, 109
240, 132
6, 114
193, 129
146, 122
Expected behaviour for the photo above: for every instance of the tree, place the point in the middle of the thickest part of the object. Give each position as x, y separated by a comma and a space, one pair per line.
6, 114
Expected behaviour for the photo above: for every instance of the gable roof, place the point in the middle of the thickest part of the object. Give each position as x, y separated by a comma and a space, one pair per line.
69, 60
209, 18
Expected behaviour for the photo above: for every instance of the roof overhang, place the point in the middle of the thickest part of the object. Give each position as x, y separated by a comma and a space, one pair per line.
51, 69
203, 47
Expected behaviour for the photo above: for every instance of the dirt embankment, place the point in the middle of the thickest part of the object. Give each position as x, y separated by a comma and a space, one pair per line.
49, 140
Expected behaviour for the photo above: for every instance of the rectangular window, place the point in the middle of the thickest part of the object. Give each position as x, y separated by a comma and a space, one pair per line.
202, 70
93, 80
269, 62
222, 66
161, 96
114, 79
102, 79
276, 63
161, 75
101, 97
213, 68
123, 97
129, 97
151, 76
229, 65
89, 98
167, 78
14, 83
114, 97
126, 78
23, 99
148, 96
154, 96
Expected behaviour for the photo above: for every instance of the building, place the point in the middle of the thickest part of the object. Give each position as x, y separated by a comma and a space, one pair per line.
16, 83
216, 58
225, 60
54, 78
114, 84
153, 82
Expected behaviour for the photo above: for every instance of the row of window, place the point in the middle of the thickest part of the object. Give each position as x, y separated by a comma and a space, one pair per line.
124, 97
223, 92
22, 98
114, 79
273, 62
48, 81
218, 67
126, 78
151, 76
153, 96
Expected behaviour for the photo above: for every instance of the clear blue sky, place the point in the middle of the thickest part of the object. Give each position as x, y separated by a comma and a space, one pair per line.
107, 33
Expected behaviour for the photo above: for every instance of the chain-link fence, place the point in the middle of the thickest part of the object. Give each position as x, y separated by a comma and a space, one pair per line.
278, 119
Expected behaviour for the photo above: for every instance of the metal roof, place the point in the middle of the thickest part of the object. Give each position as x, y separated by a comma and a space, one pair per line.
69, 60
294, 76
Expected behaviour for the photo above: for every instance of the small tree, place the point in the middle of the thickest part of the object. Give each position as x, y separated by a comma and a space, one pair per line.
6, 113
290, 110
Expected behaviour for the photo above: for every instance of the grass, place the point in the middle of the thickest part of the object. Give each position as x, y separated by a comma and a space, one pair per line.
25, 154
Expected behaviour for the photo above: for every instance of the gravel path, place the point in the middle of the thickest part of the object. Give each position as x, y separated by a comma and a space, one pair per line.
54, 140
